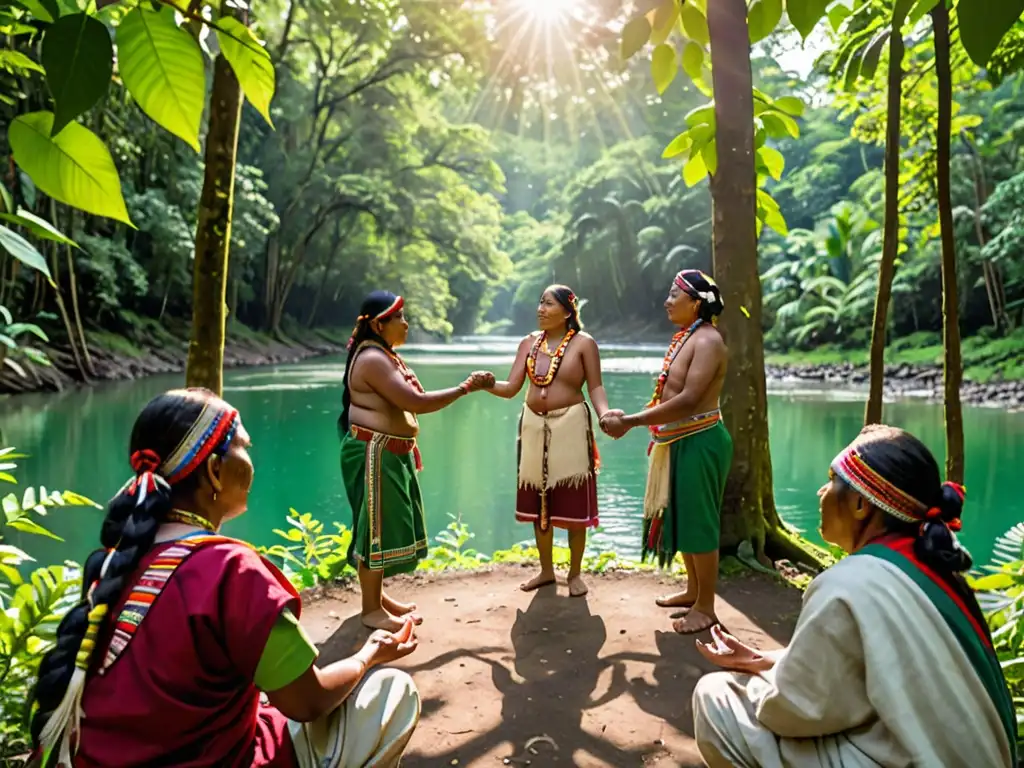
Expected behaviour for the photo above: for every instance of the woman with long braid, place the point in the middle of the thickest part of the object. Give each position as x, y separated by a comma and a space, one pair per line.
891, 662
180, 629
380, 458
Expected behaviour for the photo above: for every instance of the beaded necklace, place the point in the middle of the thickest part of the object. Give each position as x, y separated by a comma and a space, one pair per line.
190, 518
670, 356
555, 359
405, 370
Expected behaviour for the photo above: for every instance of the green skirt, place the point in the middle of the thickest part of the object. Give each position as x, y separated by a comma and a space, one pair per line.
692, 523
388, 529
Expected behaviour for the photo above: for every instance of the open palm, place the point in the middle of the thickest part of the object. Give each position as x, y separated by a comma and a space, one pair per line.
728, 652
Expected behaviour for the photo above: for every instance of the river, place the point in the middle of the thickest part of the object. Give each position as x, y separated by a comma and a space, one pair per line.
78, 441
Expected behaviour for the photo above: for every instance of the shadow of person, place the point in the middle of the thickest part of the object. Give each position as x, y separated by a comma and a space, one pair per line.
677, 666
346, 640
547, 685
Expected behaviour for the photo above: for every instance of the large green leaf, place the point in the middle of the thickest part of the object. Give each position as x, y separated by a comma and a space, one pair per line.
805, 14
79, 61
663, 20
693, 60
73, 167
695, 169
162, 67
983, 24
762, 18
663, 66
773, 161
635, 35
695, 24
250, 62
43, 10
38, 227
23, 251
17, 63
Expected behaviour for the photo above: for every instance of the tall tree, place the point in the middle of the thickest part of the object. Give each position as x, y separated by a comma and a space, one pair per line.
749, 504
205, 366
891, 223
952, 364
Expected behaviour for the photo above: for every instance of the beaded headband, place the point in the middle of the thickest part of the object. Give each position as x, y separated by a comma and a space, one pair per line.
855, 471
687, 287
212, 432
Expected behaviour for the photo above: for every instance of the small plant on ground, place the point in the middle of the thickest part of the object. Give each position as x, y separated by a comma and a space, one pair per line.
311, 557
1001, 595
31, 604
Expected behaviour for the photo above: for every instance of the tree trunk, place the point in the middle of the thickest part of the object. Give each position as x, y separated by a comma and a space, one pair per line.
990, 270
73, 285
952, 365
748, 508
891, 226
205, 367
68, 329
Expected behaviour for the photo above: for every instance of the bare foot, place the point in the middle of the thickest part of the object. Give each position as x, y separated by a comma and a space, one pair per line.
382, 620
577, 587
684, 599
695, 621
540, 580
401, 610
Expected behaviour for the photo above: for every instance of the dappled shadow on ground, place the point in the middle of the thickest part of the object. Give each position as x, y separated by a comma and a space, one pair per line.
541, 677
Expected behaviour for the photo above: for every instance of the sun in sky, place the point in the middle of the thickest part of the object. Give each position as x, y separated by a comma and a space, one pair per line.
545, 11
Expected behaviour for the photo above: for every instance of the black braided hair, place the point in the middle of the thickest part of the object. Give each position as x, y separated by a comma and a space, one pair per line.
375, 303
129, 529
564, 295
906, 462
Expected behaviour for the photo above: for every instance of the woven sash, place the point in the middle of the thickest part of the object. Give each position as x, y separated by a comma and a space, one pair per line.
148, 588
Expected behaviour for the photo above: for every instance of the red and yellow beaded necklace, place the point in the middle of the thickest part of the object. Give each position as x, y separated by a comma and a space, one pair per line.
556, 359
670, 356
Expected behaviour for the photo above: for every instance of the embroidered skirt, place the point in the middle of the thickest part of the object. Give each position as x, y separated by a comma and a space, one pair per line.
558, 463
388, 527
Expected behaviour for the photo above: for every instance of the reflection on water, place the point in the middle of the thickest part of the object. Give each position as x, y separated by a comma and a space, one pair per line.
78, 440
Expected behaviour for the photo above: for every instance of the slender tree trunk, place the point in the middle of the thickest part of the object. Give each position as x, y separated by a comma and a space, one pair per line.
68, 329
990, 270
748, 509
205, 367
891, 227
73, 285
952, 364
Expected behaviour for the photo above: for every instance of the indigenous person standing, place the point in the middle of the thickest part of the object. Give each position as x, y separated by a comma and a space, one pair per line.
690, 451
379, 456
891, 662
180, 629
558, 456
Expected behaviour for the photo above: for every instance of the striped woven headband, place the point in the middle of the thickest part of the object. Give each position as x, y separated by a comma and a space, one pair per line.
212, 432
879, 491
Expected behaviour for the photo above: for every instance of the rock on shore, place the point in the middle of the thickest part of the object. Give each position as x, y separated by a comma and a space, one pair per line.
904, 380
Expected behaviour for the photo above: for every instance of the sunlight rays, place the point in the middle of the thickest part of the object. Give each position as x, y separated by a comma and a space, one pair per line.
553, 71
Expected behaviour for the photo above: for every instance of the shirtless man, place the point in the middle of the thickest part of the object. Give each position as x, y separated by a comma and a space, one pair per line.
692, 450
379, 457
558, 459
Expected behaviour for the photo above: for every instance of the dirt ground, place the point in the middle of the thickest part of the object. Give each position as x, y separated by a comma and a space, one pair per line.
604, 678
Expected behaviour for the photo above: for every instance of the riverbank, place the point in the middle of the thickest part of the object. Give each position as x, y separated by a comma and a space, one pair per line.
515, 678
150, 348
993, 368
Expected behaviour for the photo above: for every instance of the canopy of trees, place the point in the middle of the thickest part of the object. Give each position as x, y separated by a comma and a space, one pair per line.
467, 156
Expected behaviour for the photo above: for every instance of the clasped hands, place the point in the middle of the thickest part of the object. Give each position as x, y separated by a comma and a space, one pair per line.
479, 380
611, 423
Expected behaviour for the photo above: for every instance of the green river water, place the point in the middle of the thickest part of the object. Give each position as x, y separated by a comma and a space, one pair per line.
78, 441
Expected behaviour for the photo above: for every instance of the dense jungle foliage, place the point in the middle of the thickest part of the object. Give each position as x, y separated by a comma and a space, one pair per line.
431, 148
